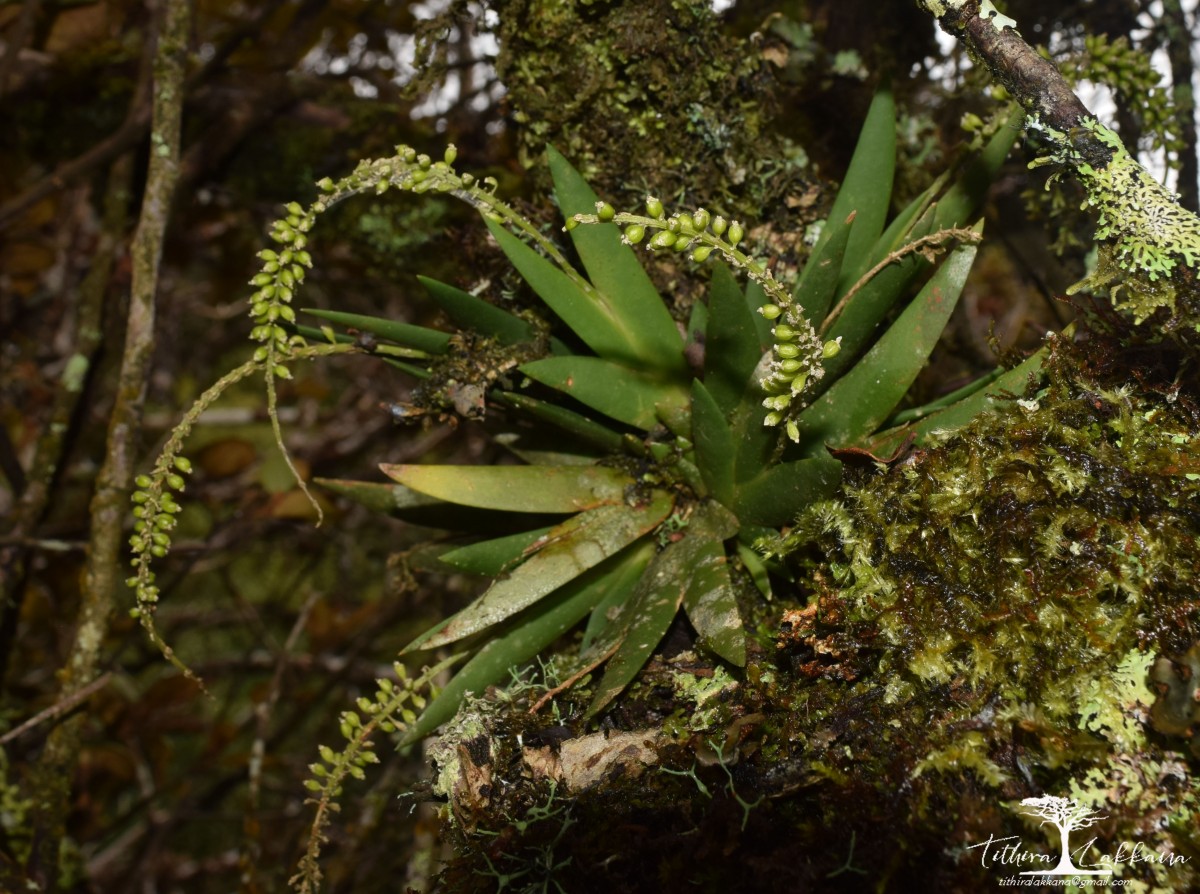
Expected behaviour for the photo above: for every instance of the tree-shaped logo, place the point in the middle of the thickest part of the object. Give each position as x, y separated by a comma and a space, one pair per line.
1068, 815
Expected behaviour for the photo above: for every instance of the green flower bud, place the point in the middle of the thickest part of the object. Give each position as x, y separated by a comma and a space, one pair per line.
267, 255
634, 233
451, 154
735, 233
773, 418
793, 431
654, 207
784, 333
770, 311
719, 225
159, 552
424, 161
468, 179
143, 481
683, 243
325, 184
787, 351
687, 223
831, 348
788, 367
662, 239
571, 224
799, 383
701, 254
605, 211
175, 482
701, 219
673, 225
139, 497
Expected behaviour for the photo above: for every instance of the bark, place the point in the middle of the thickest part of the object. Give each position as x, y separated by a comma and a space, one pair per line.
34, 496
1031, 79
109, 507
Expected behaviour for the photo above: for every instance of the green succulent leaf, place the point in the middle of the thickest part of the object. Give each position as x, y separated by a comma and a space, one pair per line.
416, 508
587, 430
819, 279
493, 557
429, 340
864, 397
571, 488
715, 454
970, 187
775, 496
900, 230
709, 600
756, 297
757, 568
957, 415
615, 271
711, 605
961, 412
873, 302
645, 617
580, 306
606, 615
731, 345
628, 395
528, 635
867, 187
469, 312
656, 599
857, 323
567, 551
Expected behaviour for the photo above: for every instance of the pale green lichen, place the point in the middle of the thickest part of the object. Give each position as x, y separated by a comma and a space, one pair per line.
1146, 236
706, 694
997, 19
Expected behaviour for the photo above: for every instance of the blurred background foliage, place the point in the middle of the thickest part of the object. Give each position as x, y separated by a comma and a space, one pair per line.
753, 111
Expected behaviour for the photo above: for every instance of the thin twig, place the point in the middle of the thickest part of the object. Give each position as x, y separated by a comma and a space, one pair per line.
925, 243
574, 678
251, 849
68, 703
109, 506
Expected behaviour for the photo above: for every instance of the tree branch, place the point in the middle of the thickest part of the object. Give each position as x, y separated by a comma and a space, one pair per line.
109, 506
1149, 244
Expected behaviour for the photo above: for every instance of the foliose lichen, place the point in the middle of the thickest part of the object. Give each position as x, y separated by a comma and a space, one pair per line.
1149, 243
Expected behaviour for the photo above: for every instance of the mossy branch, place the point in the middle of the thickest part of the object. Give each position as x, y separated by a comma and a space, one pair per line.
1150, 245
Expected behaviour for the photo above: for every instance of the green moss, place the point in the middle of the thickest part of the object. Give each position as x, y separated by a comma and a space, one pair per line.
647, 97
